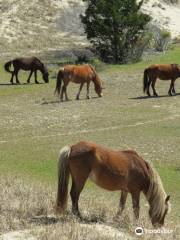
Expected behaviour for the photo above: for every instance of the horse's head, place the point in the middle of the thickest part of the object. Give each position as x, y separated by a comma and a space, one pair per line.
158, 221
98, 90
45, 75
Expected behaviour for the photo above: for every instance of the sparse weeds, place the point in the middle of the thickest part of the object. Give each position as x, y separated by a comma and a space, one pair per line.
30, 206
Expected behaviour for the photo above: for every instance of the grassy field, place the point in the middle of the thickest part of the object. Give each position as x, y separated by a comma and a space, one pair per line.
34, 125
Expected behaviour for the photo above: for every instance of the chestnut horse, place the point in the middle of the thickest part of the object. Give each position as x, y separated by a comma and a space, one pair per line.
80, 74
163, 72
32, 64
111, 170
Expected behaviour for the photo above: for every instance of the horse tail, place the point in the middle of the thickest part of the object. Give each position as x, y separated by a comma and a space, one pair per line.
146, 80
59, 81
7, 67
63, 179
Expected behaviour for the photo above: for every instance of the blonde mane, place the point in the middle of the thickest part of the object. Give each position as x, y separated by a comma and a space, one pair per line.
156, 196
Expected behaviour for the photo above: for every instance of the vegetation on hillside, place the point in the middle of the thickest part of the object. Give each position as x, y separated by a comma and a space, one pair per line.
115, 28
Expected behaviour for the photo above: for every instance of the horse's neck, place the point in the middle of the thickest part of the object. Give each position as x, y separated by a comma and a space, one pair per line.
96, 80
41, 69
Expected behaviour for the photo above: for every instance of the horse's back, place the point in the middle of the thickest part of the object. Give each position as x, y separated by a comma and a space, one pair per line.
163, 71
122, 161
27, 63
78, 73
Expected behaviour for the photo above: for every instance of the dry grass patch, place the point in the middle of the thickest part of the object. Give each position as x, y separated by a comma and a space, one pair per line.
29, 206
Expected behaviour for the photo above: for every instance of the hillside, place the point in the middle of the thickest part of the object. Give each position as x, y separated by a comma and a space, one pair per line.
39, 25
28, 26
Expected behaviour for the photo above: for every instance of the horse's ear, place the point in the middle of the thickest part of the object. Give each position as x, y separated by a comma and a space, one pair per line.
167, 198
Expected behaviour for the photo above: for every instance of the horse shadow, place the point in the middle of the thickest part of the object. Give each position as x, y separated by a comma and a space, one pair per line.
45, 102
153, 97
52, 220
15, 84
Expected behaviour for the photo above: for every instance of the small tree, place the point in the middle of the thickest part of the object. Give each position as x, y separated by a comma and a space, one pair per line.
114, 27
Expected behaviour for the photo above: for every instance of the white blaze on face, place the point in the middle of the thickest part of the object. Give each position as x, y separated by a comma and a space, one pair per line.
93, 177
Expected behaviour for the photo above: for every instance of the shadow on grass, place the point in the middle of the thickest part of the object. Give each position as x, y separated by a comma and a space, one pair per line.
65, 102
50, 220
15, 84
151, 97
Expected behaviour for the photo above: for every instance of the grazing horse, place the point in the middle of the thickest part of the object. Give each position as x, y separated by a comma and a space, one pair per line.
111, 170
32, 64
163, 72
78, 74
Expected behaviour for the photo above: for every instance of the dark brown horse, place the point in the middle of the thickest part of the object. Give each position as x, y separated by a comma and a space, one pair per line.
111, 170
78, 74
31, 64
163, 72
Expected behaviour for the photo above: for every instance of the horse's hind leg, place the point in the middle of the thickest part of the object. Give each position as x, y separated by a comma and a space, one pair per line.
135, 202
148, 86
65, 91
16, 74
28, 80
78, 183
88, 84
35, 76
153, 87
80, 88
12, 76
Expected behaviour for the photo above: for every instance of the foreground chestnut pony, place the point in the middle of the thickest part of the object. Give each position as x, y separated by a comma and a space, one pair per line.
79, 74
111, 170
163, 72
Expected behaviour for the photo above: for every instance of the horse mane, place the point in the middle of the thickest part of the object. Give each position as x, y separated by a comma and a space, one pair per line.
156, 195
96, 79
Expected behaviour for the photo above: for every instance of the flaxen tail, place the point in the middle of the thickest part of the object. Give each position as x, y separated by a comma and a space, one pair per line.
59, 81
7, 67
146, 80
63, 179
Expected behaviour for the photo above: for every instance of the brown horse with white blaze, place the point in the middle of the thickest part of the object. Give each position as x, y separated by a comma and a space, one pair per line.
31, 64
111, 170
163, 72
79, 74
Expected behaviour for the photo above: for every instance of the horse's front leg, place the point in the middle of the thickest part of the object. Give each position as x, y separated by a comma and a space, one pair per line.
35, 76
122, 203
80, 88
88, 84
16, 74
135, 202
171, 88
28, 80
